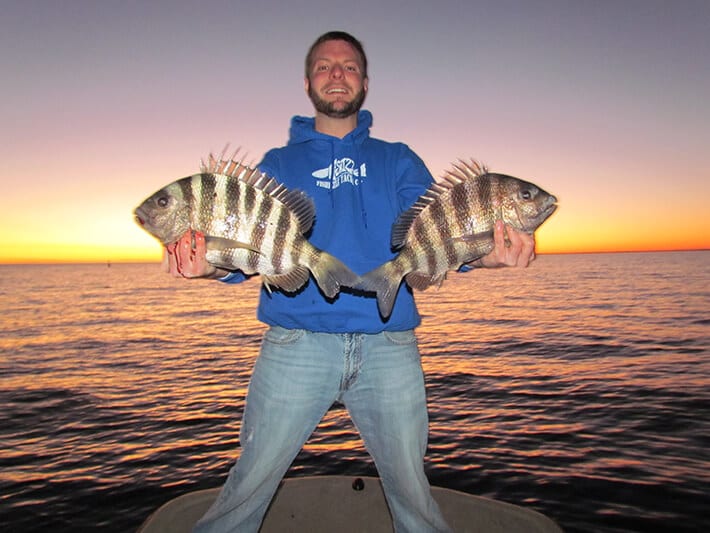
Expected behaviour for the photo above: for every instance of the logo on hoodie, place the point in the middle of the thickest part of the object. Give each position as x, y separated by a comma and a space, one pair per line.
340, 172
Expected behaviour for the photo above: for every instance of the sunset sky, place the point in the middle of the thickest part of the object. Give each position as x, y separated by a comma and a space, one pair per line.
605, 104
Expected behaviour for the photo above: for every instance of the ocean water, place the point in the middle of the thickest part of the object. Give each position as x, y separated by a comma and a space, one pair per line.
579, 387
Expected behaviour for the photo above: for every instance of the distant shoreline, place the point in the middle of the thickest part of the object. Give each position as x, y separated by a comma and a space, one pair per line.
110, 263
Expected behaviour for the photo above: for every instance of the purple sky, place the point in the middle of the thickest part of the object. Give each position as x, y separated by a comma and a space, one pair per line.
605, 104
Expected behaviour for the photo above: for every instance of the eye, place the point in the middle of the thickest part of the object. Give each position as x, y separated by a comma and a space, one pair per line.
526, 194
163, 201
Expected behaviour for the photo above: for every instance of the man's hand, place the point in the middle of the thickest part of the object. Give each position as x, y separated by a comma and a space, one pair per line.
517, 251
186, 258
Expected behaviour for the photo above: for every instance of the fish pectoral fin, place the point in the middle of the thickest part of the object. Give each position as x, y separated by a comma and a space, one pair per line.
222, 243
474, 237
289, 282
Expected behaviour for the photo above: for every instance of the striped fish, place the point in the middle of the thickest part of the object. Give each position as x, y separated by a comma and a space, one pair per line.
452, 224
250, 222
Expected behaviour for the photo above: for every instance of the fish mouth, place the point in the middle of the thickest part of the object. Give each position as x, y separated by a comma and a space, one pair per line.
551, 209
553, 204
140, 217
548, 210
535, 222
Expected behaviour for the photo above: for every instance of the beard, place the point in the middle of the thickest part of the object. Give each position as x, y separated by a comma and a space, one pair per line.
337, 109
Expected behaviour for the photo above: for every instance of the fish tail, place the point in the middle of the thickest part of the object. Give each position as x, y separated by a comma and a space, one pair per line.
330, 274
384, 281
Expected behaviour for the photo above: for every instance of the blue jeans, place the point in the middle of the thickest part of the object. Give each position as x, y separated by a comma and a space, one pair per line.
297, 377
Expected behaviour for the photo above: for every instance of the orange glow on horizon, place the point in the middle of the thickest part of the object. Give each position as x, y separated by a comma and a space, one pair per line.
117, 239
560, 243
45, 253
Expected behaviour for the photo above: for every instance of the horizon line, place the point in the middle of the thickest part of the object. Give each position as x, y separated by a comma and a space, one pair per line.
135, 261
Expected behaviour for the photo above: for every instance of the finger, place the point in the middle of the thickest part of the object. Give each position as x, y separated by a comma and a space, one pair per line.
527, 253
201, 266
200, 248
183, 250
192, 256
171, 260
513, 256
499, 235
165, 263
499, 244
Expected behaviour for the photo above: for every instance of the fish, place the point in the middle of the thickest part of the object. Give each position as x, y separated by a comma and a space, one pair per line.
452, 224
250, 222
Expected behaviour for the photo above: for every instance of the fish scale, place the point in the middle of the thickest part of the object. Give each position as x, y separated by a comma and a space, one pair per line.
250, 222
452, 224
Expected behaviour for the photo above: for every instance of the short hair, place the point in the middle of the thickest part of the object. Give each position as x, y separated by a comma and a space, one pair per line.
337, 36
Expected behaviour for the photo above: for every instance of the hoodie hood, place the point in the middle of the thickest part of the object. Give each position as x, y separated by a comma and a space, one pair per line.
303, 130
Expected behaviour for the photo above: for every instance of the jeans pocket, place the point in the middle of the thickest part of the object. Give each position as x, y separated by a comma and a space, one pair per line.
401, 338
283, 336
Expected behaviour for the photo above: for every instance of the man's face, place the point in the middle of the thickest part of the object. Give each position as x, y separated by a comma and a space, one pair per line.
335, 82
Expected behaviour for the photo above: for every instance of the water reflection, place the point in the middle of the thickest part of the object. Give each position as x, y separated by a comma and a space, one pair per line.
557, 388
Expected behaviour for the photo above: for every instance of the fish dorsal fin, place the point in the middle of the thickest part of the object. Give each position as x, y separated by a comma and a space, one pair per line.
461, 172
296, 201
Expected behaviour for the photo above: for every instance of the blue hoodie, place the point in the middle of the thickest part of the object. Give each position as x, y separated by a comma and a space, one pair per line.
359, 185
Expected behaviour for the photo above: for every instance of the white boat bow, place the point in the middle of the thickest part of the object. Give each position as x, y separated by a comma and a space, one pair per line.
348, 504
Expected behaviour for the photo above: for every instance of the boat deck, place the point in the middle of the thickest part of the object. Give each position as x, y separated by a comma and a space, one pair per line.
346, 504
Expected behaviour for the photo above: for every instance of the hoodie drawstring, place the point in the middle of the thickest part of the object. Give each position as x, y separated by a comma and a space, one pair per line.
360, 185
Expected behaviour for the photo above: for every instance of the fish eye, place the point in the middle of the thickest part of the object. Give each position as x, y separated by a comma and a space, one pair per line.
526, 194
163, 201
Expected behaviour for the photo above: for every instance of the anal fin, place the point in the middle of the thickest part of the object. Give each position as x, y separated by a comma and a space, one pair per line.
422, 282
289, 282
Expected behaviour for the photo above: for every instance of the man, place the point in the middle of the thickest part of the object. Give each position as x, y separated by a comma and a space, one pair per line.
316, 350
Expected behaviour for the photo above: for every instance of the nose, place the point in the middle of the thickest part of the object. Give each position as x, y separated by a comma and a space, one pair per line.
336, 71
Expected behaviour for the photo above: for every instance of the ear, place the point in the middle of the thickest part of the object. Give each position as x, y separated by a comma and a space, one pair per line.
306, 84
364, 83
